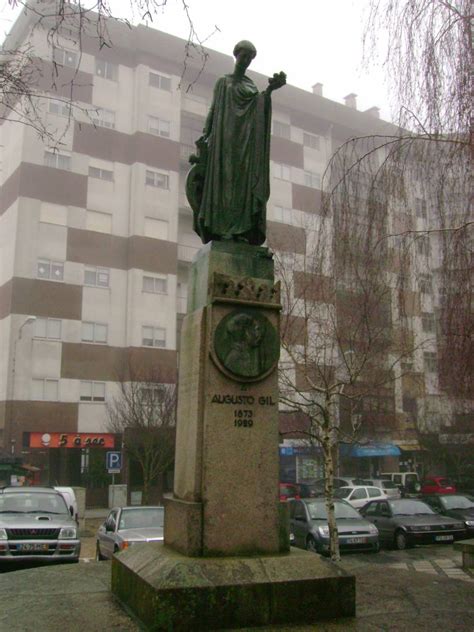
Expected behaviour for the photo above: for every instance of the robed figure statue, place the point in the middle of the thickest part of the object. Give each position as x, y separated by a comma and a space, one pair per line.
229, 184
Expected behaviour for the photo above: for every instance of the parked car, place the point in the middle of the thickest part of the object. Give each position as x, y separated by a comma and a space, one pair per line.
307, 490
309, 527
288, 490
408, 482
358, 495
455, 506
406, 522
389, 487
437, 485
36, 524
71, 501
126, 526
344, 481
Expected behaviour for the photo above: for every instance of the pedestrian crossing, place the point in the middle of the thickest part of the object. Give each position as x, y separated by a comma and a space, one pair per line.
445, 567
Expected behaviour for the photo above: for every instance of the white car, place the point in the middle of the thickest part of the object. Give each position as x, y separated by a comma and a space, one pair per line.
127, 526
359, 495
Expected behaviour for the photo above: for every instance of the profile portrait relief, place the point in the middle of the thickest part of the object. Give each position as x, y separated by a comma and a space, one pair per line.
246, 344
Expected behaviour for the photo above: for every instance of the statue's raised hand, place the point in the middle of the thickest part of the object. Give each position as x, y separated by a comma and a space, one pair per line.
277, 81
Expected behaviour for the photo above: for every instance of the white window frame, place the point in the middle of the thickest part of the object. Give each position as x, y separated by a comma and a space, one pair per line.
49, 324
44, 381
283, 214
281, 129
102, 117
428, 322
420, 207
160, 81
101, 174
153, 284
152, 179
312, 180
159, 127
430, 361
59, 107
94, 339
106, 69
93, 397
102, 276
425, 284
311, 140
64, 57
157, 341
281, 171
56, 160
53, 267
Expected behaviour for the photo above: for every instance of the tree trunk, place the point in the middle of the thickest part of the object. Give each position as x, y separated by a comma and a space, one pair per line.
329, 493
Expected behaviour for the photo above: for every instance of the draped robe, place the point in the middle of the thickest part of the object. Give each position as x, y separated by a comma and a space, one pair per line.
236, 182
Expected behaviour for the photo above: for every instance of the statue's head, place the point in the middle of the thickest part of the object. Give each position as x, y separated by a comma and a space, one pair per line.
245, 45
244, 52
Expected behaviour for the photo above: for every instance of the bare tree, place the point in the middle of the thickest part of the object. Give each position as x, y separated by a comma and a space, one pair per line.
144, 413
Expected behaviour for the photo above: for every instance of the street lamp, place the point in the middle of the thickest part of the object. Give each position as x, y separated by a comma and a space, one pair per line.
27, 321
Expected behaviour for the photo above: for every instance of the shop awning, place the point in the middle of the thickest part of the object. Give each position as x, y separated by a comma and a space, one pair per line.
370, 449
410, 447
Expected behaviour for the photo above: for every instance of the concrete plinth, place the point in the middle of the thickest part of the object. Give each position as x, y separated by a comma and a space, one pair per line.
169, 591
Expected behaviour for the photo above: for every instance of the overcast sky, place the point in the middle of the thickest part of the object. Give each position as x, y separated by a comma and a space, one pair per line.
311, 40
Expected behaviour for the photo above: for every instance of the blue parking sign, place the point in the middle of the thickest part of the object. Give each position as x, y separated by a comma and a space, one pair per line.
113, 462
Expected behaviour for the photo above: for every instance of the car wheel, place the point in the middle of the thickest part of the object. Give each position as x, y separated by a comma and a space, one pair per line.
98, 555
401, 540
311, 544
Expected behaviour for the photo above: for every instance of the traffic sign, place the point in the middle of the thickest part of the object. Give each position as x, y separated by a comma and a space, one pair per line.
113, 462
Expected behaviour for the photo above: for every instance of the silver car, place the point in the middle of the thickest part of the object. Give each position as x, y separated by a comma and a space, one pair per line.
36, 524
309, 527
126, 526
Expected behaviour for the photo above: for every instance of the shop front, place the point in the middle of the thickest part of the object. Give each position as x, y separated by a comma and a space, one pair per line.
368, 460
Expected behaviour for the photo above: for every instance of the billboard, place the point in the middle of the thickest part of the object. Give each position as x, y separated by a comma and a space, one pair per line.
71, 440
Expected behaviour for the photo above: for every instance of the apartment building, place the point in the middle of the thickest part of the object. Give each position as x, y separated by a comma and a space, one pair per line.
96, 233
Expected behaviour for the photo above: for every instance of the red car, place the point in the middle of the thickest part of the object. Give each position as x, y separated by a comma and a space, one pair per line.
288, 490
437, 485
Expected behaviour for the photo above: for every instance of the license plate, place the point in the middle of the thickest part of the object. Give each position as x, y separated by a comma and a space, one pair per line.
32, 547
444, 538
356, 540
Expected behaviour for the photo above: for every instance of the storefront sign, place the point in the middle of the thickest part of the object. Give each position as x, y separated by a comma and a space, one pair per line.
71, 440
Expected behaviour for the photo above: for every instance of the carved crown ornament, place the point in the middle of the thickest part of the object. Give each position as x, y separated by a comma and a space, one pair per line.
227, 289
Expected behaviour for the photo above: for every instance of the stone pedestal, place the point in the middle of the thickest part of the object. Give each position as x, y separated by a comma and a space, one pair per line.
225, 561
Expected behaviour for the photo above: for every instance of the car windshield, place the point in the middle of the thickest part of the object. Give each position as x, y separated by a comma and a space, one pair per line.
342, 492
34, 502
317, 511
141, 517
457, 502
388, 485
409, 508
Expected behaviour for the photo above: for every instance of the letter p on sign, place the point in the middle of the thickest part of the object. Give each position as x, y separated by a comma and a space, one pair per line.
114, 462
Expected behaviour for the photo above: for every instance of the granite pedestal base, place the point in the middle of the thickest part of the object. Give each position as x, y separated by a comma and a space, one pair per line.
169, 591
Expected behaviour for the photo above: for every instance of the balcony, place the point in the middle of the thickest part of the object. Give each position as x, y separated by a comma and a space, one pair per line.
186, 253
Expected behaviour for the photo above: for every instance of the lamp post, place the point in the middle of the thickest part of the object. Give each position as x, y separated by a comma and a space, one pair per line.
28, 320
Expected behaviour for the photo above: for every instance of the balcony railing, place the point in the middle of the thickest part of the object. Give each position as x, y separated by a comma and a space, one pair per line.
186, 253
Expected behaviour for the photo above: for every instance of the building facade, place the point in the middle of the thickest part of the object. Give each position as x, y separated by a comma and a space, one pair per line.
96, 235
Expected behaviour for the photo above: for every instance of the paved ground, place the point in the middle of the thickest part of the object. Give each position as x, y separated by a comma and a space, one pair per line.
420, 589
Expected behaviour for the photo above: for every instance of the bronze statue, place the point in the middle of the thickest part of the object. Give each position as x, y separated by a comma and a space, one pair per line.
229, 184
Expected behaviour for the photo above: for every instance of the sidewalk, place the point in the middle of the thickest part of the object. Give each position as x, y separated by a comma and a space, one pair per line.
77, 598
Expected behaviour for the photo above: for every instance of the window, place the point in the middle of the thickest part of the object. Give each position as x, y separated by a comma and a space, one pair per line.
420, 207
94, 332
283, 214
155, 228
311, 140
281, 171
359, 494
49, 328
57, 160
157, 179
373, 492
97, 276
99, 222
428, 322
153, 337
425, 284
159, 127
53, 270
61, 108
106, 69
312, 180
53, 214
156, 80
65, 57
155, 285
92, 391
430, 360
45, 390
103, 117
283, 130
101, 174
